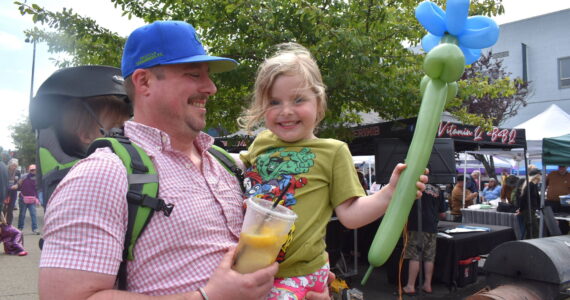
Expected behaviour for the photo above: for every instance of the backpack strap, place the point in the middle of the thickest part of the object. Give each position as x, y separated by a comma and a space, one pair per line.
141, 197
143, 189
228, 163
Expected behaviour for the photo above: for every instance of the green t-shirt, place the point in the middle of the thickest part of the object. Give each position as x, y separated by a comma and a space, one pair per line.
319, 174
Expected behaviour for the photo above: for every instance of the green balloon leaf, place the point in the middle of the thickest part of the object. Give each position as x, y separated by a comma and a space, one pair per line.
452, 89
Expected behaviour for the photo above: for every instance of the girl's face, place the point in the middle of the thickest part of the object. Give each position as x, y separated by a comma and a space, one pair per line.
291, 111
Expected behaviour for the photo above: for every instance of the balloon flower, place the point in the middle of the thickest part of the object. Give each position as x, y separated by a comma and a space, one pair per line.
453, 40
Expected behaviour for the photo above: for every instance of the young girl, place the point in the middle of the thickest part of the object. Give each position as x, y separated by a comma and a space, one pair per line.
12, 238
316, 175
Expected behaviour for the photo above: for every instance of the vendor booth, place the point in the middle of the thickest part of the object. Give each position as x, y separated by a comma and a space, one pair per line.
389, 142
555, 151
374, 139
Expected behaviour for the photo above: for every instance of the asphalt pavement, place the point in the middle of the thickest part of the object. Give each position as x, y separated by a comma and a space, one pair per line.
19, 274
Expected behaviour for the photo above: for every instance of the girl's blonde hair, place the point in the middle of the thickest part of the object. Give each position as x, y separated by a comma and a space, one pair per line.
534, 179
290, 59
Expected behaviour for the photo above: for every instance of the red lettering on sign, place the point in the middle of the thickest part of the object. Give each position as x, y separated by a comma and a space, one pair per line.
452, 130
369, 131
478, 134
512, 136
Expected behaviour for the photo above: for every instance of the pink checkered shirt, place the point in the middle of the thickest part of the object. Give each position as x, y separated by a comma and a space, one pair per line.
86, 218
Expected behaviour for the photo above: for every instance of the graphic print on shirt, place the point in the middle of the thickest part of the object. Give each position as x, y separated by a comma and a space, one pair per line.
278, 171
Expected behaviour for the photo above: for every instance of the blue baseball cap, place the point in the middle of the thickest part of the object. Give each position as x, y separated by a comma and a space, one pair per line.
167, 43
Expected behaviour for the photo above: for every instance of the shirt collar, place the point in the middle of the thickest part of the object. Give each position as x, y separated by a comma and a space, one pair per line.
152, 139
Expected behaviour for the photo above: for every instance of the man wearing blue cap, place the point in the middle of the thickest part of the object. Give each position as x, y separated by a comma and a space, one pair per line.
185, 255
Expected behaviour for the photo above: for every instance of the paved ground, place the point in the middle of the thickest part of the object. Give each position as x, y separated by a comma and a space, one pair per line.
20, 275
378, 287
19, 279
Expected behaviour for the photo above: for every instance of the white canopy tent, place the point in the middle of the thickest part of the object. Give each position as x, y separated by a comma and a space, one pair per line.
467, 160
550, 123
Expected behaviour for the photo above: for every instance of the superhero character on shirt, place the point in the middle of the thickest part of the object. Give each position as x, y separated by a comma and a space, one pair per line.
273, 175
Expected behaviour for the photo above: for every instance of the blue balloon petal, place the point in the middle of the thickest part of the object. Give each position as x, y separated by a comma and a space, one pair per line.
471, 55
480, 32
429, 41
431, 17
456, 14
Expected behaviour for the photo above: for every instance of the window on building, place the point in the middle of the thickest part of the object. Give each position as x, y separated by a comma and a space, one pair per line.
564, 72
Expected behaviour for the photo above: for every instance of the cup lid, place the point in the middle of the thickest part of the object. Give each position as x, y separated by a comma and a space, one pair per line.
279, 211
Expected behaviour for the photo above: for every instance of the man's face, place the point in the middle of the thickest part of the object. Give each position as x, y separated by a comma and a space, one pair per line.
562, 169
178, 96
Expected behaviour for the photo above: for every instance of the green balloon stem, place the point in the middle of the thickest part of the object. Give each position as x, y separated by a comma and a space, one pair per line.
368, 273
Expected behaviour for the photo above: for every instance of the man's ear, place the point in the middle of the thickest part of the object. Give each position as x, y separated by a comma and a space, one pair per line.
141, 79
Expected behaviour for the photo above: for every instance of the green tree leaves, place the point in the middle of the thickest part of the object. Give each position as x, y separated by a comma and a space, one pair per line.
362, 47
25, 141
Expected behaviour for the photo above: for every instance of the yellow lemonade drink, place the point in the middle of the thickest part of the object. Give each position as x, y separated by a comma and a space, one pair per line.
264, 231
256, 251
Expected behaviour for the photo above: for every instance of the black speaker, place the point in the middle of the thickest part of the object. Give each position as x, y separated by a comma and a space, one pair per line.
390, 152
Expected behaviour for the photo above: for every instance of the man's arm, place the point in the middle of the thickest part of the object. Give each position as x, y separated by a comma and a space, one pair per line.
68, 284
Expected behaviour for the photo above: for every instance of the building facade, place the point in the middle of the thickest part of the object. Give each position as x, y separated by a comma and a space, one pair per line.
538, 50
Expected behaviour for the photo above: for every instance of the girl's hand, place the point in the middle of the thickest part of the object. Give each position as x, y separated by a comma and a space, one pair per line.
421, 184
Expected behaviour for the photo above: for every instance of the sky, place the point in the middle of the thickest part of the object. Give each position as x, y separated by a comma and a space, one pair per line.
16, 55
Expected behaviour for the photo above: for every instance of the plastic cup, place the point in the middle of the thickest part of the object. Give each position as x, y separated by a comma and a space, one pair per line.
263, 232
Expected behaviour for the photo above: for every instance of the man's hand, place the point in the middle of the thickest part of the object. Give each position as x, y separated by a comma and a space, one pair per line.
226, 283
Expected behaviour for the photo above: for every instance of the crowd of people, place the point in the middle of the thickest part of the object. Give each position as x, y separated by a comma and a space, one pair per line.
160, 104
15, 188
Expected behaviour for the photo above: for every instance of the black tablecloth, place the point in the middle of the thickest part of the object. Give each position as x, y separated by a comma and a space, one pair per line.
465, 245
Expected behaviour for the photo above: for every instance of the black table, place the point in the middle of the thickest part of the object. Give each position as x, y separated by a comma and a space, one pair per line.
465, 245
492, 217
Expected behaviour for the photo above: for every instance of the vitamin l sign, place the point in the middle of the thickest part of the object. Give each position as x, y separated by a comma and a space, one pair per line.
477, 134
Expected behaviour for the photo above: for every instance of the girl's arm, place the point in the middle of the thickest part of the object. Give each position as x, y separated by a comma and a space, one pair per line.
358, 211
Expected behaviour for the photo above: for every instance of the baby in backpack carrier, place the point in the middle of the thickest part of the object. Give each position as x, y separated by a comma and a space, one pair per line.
12, 238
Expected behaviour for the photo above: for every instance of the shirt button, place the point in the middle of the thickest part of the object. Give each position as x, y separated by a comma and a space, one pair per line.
188, 166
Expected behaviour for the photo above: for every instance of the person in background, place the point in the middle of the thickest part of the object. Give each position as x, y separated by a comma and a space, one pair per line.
474, 184
457, 198
507, 188
362, 180
4, 186
13, 179
11, 238
530, 220
187, 255
492, 191
421, 246
27, 187
558, 184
